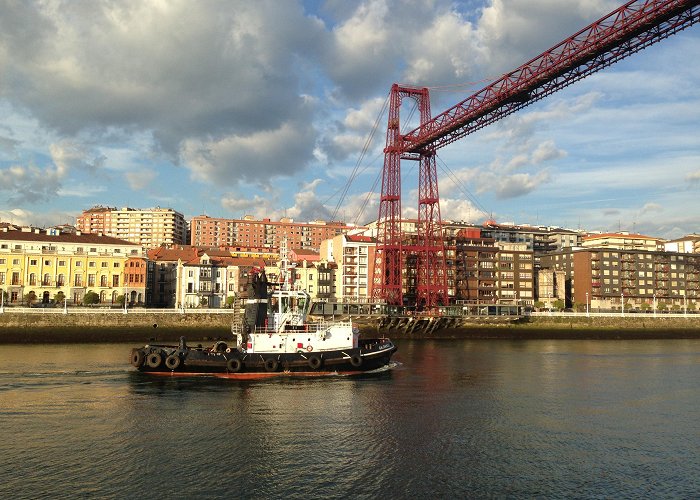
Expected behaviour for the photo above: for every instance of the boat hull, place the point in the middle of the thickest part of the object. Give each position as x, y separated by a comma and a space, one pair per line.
223, 362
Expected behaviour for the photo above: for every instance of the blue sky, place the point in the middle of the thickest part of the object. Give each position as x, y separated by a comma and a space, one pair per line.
228, 108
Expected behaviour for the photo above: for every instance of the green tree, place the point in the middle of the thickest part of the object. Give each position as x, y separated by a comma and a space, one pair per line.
30, 298
91, 298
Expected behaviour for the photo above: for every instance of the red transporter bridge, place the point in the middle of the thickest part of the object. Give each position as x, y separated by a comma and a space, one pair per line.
626, 30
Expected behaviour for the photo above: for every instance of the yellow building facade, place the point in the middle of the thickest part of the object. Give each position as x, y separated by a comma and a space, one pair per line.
40, 267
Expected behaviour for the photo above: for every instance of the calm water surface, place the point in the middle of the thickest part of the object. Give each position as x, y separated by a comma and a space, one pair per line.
454, 419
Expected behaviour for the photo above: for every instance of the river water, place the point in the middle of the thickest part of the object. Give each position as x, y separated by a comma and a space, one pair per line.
453, 419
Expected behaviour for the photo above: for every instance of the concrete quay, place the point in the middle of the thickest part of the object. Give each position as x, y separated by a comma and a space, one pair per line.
167, 325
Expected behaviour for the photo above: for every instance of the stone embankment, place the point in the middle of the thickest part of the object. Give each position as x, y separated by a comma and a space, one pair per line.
135, 326
505, 327
167, 326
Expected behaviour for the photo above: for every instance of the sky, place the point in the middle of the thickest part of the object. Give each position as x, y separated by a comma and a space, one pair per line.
268, 108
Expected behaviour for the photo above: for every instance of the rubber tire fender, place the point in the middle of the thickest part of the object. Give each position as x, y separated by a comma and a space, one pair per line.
234, 365
172, 362
154, 359
137, 358
356, 360
271, 365
314, 362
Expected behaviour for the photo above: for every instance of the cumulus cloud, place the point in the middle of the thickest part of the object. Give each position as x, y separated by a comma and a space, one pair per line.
213, 71
256, 158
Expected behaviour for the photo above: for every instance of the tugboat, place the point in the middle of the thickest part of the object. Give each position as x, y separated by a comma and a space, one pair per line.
274, 339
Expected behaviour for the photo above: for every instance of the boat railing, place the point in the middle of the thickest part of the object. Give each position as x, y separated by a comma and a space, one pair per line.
314, 327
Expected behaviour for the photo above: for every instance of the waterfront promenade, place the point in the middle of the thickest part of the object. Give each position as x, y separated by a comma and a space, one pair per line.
85, 324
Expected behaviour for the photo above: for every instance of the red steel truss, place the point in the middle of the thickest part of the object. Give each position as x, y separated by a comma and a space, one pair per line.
623, 32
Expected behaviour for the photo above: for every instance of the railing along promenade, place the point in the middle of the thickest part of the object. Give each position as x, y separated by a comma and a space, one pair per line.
108, 310
354, 313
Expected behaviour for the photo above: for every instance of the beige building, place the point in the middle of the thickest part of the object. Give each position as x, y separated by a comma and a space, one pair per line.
621, 241
149, 228
551, 286
354, 256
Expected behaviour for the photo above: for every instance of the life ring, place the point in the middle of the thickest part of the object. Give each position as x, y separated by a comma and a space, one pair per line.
137, 358
154, 359
356, 360
309, 348
271, 365
172, 362
234, 365
314, 362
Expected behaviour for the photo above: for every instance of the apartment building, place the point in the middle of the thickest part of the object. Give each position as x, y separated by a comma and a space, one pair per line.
687, 244
46, 267
472, 276
515, 274
185, 276
621, 241
252, 233
354, 256
550, 286
607, 278
149, 228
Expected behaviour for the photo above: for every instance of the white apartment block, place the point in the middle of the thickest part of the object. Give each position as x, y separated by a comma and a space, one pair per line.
354, 256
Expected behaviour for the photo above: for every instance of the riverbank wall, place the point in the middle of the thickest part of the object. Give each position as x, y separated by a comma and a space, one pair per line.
202, 325
539, 327
114, 326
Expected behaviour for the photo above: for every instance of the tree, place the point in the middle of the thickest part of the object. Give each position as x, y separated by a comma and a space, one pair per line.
559, 305
91, 298
30, 298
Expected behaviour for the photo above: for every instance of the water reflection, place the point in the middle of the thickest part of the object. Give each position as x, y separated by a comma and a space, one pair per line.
454, 418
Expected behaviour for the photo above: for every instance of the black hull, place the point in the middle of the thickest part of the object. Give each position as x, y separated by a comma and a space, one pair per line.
220, 361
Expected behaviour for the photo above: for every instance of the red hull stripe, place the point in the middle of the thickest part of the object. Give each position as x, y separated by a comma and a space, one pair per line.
255, 375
